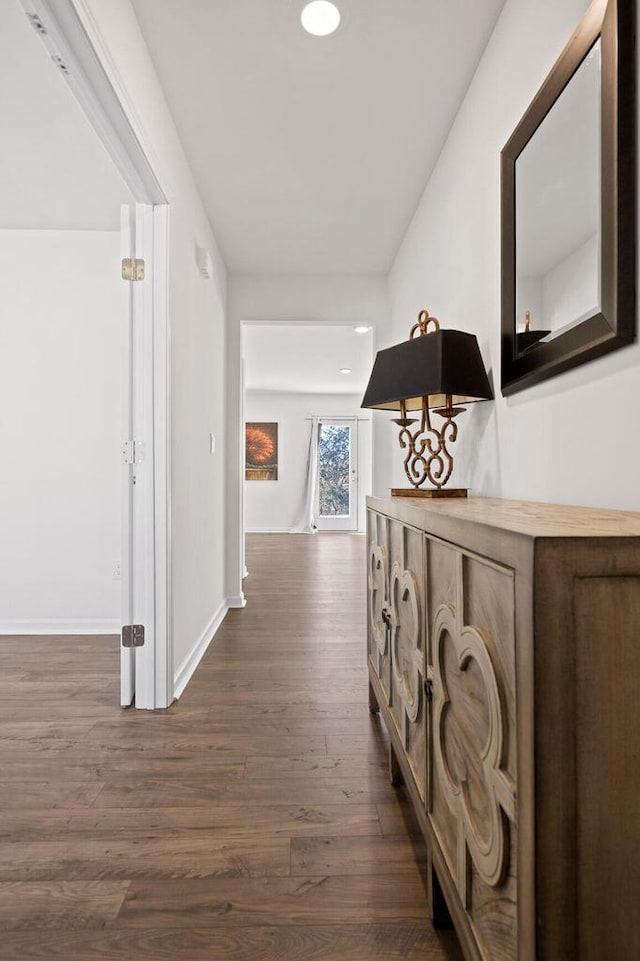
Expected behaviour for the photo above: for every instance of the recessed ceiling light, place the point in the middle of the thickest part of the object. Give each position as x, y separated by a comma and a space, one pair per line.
345, 370
362, 330
320, 18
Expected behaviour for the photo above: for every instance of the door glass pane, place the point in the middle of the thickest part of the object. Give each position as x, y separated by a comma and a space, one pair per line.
334, 466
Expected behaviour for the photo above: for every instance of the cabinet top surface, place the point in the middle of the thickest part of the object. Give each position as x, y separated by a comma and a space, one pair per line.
520, 517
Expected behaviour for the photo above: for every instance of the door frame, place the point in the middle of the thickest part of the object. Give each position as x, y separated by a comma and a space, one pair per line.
74, 41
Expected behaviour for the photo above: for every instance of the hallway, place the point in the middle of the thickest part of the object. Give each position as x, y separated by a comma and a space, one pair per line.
253, 820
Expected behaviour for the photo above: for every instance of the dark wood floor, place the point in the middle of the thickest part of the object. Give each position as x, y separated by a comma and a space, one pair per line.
253, 821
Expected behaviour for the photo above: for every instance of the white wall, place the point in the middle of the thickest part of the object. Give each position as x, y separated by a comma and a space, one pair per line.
60, 390
317, 298
275, 505
197, 317
564, 440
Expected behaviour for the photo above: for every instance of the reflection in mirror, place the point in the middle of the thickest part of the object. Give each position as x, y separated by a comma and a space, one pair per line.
558, 229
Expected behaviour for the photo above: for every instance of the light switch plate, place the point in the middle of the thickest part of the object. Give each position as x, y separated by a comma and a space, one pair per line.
204, 262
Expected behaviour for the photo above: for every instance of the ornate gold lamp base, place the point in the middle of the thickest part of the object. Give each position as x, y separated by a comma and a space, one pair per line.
429, 492
428, 457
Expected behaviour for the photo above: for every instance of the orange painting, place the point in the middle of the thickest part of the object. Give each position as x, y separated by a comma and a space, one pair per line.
261, 451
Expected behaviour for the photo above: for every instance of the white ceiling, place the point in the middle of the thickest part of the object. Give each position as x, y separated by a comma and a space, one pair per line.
306, 358
312, 153
54, 171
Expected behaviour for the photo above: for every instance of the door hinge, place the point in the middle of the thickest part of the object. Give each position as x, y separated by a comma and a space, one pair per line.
132, 269
133, 635
132, 452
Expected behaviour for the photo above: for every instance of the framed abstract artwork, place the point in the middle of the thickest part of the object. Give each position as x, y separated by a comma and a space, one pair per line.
261, 452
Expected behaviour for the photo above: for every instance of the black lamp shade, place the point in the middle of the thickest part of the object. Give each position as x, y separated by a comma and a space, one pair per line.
434, 365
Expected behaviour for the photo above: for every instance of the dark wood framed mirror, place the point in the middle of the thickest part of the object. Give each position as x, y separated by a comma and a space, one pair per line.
569, 207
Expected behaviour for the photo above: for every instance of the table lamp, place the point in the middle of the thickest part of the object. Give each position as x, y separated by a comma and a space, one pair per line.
434, 372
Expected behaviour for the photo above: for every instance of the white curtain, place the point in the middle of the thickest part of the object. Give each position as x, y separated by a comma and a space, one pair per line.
306, 520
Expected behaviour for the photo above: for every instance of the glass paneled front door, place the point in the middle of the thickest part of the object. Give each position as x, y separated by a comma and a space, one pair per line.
337, 507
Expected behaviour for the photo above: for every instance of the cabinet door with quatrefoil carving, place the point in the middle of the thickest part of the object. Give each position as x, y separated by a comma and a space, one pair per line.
378, 598
407, 644
472, 803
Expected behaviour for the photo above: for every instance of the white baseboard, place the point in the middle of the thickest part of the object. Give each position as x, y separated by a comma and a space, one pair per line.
186, 670
267, 530
74, 627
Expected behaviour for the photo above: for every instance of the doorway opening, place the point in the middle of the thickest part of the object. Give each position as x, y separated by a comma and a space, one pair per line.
85, 475
302, 388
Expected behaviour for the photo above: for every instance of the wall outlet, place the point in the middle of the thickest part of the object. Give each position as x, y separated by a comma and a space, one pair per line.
117, 571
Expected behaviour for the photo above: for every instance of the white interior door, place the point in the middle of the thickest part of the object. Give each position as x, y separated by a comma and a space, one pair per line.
137, 663
337, 486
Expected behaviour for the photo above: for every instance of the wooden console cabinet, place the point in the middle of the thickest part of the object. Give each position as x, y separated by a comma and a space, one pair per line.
504, 655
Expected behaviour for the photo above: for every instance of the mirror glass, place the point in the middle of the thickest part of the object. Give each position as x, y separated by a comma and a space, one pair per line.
558, 229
